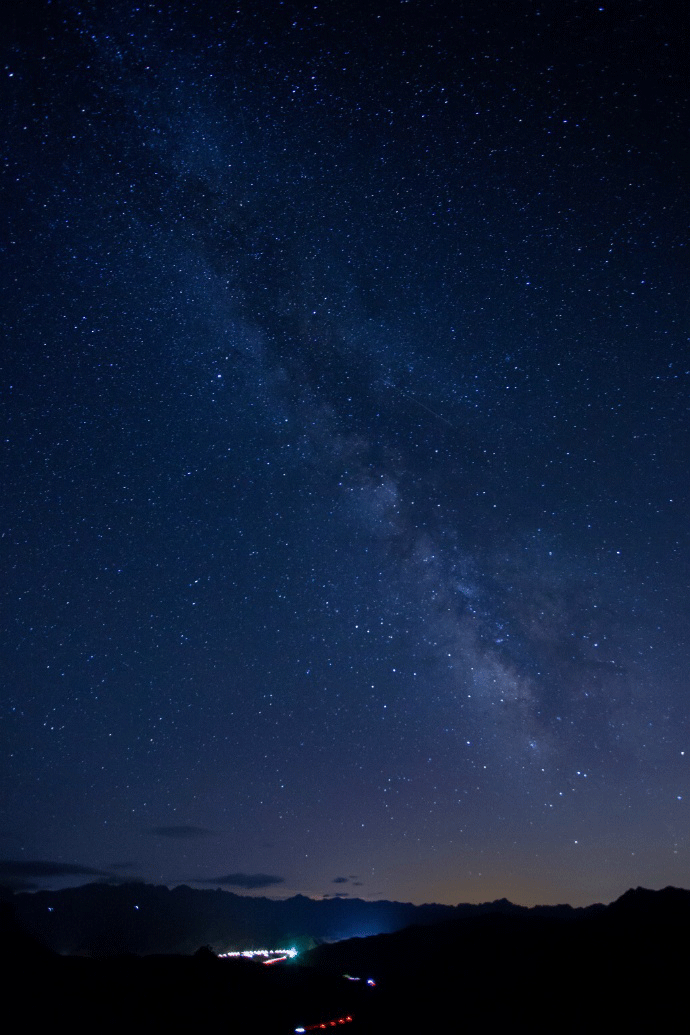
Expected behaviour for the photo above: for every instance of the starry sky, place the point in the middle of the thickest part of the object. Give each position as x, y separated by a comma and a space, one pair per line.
345, 447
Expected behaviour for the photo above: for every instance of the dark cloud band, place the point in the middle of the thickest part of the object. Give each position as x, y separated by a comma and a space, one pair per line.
249, 881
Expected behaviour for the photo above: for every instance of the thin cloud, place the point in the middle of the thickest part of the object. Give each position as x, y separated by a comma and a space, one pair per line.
249, 881
339, 880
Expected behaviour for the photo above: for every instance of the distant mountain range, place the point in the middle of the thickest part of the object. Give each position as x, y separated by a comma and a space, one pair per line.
102, 919
493, 967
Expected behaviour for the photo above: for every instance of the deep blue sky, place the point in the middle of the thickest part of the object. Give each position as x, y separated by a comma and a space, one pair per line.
345, 410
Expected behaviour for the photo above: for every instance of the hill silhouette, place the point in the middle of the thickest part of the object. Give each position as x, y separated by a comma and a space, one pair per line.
105, 919
602, 968
491, 967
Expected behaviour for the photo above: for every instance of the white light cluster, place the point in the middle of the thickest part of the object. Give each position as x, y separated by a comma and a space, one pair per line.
251, 953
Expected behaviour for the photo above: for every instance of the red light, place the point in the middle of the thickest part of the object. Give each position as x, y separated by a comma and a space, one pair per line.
328, 1024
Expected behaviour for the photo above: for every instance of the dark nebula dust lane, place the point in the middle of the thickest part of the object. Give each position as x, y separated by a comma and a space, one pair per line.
345, 392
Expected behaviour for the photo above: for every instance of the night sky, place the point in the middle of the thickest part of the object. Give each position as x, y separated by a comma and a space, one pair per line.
345, 539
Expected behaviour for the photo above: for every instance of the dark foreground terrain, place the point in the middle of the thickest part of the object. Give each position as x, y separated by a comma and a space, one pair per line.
601, 970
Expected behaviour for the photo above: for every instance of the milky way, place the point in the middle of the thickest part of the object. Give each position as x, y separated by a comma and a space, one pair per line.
345, 467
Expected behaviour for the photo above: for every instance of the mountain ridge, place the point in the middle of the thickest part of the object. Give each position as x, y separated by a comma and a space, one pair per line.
104, 919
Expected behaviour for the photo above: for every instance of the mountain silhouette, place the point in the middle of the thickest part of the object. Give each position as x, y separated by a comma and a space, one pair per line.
489, 967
